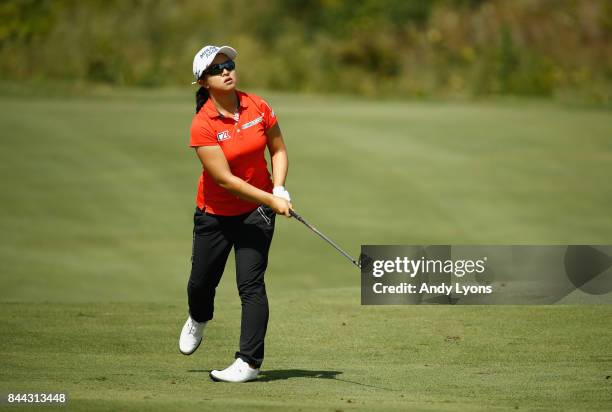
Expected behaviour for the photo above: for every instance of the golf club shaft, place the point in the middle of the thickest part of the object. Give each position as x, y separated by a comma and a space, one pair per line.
328, 240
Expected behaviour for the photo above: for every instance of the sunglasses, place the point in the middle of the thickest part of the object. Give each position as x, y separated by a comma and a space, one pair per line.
217, 69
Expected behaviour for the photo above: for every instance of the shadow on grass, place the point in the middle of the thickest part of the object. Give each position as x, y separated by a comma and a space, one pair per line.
283, 374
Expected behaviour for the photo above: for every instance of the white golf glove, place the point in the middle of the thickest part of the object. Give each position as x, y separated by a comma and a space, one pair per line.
280, 191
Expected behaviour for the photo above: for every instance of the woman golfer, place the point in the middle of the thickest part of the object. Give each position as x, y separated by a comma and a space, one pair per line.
237, 202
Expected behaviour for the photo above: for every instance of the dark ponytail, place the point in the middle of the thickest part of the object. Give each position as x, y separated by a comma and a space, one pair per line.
202, 96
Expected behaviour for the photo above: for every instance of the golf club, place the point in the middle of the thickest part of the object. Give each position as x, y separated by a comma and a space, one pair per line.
328, 240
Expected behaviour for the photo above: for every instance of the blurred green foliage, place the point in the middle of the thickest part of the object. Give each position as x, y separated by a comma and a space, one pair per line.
439, 48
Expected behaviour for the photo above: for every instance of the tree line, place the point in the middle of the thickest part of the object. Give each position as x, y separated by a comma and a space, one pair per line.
411, 48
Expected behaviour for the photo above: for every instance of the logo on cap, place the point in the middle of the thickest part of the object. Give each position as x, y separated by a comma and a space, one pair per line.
208, 51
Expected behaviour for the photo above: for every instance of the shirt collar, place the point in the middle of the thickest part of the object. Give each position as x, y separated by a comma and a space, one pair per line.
212, 112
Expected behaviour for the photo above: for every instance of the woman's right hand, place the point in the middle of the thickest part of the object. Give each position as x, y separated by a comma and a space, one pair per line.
280, 206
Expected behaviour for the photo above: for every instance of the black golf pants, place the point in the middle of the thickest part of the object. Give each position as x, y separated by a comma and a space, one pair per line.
250, 235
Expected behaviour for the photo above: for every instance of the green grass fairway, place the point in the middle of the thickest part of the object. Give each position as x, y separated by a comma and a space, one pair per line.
325, 353
96, 210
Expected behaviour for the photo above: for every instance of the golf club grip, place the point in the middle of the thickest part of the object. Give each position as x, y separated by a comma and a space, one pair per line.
295, 215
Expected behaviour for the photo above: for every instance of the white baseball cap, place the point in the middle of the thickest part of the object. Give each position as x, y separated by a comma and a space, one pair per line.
206, 55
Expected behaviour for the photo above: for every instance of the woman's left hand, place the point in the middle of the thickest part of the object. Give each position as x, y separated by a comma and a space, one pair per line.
280, 191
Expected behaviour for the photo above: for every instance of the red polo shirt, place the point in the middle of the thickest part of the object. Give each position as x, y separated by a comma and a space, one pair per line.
243, 142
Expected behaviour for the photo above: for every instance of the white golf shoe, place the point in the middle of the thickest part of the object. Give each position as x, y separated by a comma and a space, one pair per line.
191, 336
239, 371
